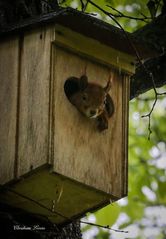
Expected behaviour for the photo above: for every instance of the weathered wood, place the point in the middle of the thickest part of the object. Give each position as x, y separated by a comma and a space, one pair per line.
8, 107
80, 151
125, 116
88, 164
34, 100
95, 49
52, 196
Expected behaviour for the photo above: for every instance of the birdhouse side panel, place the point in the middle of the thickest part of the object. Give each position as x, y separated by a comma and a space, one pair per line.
9, 65
34, 100
125, 123
80, 151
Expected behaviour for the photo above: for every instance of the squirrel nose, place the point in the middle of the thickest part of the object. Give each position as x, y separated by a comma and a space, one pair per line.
92, 112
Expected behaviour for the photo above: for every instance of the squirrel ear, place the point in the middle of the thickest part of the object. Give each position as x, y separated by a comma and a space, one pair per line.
108, 86
71, 86
109, 105
109, 83
83, 82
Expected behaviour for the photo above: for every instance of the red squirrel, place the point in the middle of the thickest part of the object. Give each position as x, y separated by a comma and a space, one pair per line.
91, 99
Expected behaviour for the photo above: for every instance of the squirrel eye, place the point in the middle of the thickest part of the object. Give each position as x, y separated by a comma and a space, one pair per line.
84, 97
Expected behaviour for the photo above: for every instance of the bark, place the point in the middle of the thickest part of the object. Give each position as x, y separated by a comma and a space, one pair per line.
154, 34
141, 82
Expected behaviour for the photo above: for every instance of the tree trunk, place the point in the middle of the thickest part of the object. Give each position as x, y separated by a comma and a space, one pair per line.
154, 34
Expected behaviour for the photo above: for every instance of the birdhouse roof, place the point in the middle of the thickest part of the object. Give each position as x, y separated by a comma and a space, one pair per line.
86, 25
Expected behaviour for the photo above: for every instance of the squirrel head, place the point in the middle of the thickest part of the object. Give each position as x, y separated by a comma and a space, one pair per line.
88, 98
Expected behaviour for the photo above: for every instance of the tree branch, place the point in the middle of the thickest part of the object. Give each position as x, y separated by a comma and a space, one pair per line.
120, 14
140, 83
104, 227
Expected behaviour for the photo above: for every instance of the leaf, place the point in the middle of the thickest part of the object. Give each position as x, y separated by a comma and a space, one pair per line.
108, 215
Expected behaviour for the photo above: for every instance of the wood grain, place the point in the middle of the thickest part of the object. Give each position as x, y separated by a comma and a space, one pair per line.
80, 151
34, 100
125, 123
8, 107
53, 196
94, 49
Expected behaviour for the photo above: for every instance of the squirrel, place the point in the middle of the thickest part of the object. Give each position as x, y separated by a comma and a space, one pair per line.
91, 99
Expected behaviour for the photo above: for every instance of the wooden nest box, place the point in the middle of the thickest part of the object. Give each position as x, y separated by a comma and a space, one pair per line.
53, 160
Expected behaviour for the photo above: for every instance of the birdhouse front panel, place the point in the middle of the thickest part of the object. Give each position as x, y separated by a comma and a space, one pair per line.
79, 150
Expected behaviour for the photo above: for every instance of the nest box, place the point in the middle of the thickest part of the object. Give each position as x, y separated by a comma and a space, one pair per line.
53, 160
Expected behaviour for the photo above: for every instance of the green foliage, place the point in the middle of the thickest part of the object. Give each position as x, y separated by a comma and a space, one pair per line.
108, 215
137, 9
102, 235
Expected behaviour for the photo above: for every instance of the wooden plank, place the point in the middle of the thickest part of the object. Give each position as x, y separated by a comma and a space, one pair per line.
8, 107
34, 100
94, 49
125, 95
53, 196
80, 151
